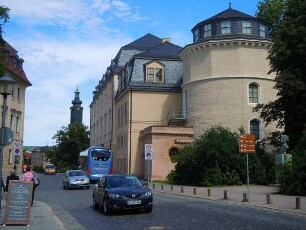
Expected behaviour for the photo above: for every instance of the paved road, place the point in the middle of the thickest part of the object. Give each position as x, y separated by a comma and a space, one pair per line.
74, 209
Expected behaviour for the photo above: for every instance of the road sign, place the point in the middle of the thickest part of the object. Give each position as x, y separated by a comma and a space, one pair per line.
8, 136
148, 152
247, 143
17, 148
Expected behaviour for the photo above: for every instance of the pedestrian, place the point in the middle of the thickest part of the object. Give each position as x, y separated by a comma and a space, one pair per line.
24, 168
2, 185
28, 176
12, 176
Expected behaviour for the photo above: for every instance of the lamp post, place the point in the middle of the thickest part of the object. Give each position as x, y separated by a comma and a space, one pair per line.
6, 84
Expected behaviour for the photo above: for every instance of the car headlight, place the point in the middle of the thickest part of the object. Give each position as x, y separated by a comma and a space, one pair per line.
148, 194
115, 196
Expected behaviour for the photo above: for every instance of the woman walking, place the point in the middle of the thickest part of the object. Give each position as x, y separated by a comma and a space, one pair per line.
28, 176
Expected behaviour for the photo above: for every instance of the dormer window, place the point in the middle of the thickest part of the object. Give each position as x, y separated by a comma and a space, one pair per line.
207, 31
262, 30
196, 35
246, 27
155, 72
226, 27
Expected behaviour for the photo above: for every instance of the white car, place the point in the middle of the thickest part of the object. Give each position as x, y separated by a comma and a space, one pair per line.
75, 179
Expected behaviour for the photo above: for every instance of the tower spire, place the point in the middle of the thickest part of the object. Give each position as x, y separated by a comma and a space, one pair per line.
230, 5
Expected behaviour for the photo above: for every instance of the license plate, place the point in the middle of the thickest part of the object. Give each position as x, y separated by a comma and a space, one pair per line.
132, 202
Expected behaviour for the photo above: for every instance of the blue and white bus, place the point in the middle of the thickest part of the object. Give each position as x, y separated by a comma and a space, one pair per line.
96, 161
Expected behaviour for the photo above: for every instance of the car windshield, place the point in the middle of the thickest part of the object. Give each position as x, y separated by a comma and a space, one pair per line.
50, 166
77, 173
123, 181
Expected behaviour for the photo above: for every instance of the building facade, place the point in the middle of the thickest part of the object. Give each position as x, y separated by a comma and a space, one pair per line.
226, 74
13, 66
158, 93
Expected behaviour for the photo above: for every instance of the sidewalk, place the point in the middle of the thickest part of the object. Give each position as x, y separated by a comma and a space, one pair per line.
42, 217
259, 196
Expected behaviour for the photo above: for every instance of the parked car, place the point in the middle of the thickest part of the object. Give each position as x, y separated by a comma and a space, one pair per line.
75, 179
121, 192
50, 169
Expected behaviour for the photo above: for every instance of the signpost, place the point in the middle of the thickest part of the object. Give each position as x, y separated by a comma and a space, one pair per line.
247, 145
18, 205
148, 157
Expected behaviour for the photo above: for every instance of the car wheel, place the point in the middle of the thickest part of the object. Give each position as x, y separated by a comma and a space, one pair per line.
67, 186
94, 203
149, 209
106, 209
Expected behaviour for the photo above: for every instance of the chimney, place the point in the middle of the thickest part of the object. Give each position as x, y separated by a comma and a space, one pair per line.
165, 40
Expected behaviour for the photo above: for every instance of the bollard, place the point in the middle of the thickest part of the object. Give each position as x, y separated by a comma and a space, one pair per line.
194, 191
171, 188
245, 199
298, 202
182, 189
269, 201
162, 187
153, 186
208, 192
225, 195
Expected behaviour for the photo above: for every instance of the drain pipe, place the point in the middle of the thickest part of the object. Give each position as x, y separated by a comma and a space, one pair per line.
130, 155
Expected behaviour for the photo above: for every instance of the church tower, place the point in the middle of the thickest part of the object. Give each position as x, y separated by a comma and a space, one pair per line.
76, 108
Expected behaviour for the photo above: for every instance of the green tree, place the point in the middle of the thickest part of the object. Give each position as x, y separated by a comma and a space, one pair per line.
288, 61
70, 141
4, 17
214, 159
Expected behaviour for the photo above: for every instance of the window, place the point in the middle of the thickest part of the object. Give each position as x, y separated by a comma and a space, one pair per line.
11, 156
196, 35
253, 93
173, 152
207, 30
254, 128
225, 27
262, 30
155, 73
11, 122
18, 93
246, 27
17, 124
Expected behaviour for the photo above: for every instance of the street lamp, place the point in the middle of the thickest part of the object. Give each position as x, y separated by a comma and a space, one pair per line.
6, 84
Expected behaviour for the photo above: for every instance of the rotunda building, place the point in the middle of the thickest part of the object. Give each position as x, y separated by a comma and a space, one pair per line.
226, 74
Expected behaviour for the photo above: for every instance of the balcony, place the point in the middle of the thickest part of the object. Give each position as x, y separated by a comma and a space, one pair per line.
176, 117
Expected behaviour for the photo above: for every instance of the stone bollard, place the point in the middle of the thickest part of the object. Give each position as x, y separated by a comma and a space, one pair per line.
182, 189
194, 191
153, 186
171, 187
162, 187
208, 192
245, 199
298, 202
225, 195
269, 201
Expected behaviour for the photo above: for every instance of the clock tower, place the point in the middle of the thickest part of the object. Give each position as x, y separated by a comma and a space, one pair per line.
76, 115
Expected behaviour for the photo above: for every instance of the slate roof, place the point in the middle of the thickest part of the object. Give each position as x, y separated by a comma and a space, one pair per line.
144, 43
164, 50
226, 14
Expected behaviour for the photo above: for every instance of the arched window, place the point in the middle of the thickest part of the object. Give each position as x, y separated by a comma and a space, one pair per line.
255, 128
173, 152
253, 93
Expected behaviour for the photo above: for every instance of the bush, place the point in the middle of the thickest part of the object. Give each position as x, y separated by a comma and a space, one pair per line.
214, 160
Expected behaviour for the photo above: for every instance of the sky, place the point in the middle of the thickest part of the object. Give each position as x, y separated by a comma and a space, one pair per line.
69, 43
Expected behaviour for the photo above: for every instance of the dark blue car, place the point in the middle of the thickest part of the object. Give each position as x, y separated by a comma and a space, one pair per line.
122, 192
